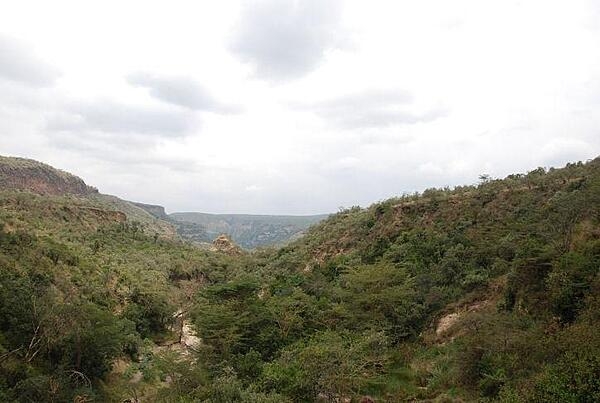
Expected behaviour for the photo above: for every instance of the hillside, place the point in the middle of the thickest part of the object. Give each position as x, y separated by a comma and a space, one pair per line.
25, 175
249, 231
29, 175
157, 211
485, 292
89, 289
478, 293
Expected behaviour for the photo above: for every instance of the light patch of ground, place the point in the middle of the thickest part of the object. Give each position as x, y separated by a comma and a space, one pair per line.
189, 339
446, 323
446, 327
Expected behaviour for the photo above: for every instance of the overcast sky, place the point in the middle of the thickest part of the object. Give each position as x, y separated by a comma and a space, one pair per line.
297, 107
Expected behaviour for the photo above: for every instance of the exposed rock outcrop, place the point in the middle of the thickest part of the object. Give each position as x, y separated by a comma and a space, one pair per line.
225, 245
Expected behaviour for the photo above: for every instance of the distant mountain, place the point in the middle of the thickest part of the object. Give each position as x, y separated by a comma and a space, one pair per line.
249, 231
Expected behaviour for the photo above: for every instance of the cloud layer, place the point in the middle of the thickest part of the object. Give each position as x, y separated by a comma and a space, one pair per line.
287, 39
373, 108
297, 106
18, 63
181, 91
120, 119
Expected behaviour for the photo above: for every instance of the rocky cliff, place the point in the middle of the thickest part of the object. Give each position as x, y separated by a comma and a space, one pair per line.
32, 176
155, 210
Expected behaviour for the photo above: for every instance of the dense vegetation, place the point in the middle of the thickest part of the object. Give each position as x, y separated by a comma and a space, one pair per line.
80, 288
478, 293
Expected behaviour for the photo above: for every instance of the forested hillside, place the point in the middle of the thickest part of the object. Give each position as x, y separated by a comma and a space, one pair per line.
478, 293
88, 295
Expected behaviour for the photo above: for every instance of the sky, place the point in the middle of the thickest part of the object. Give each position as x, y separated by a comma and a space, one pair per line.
297, 106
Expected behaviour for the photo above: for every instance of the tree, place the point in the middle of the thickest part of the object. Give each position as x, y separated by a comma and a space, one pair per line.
329, 364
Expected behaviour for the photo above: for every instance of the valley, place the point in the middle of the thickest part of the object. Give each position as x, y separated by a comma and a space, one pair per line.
486, 292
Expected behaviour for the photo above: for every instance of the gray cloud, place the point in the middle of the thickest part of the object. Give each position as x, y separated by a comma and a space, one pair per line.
372, 109
20, 64
127, 151
287, 39
125, 137
181, 91
114, 118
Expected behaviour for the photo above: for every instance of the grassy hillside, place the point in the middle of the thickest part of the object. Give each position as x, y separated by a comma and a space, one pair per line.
478, 293
249, 231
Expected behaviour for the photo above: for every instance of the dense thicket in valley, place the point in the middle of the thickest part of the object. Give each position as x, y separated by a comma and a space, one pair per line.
487, 292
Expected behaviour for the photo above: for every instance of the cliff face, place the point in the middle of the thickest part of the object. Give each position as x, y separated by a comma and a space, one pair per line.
28, 175
155, 210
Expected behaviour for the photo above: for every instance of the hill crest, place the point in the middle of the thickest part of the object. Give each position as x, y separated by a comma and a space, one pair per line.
36, 177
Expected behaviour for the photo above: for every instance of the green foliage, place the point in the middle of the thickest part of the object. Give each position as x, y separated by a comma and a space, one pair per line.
382, 296
149, 310
570, 281
328, 364
575, 378
228, 389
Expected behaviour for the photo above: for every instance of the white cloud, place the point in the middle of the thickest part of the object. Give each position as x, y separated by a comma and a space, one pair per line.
253, 188
558, 150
